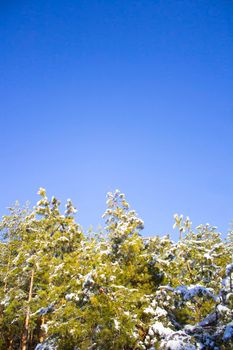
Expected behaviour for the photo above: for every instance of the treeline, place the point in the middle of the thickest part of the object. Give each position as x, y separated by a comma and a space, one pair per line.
66, 290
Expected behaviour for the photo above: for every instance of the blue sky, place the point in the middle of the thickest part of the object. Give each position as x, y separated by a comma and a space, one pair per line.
135, 95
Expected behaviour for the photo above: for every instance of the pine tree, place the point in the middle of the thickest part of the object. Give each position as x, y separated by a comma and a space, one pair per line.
113, 290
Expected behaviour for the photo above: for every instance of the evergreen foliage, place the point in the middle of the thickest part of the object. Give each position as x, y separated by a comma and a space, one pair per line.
116, 290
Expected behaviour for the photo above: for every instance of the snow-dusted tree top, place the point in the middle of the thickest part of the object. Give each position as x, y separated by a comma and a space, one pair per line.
112, 290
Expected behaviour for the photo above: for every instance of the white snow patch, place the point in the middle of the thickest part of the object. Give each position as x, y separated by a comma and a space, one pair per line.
72, 296
158, 328
149, 310
116, 324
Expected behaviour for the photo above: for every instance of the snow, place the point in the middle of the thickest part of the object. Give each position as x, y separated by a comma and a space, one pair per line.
211, 318
72, 296
160, 312
44, 328
229, 297
69, 208
178, 344
177, 341
88, 280
149, 310
208, 256
223, 309
116, 324
228, 333
189, 328
229, 269
5, 301
112, 278
190, 292
49, 344
63, 239
158, 328
45, 310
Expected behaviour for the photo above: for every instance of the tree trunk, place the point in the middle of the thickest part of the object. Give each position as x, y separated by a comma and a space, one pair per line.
41, 332
24, 339
10, 346
30, 340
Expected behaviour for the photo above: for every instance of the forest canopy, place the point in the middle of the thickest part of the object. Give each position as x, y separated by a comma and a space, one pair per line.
64, 289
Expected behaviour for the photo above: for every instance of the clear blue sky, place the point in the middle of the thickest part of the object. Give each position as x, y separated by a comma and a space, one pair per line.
135, 95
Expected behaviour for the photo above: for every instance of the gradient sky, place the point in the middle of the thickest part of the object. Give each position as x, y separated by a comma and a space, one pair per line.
135, 95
